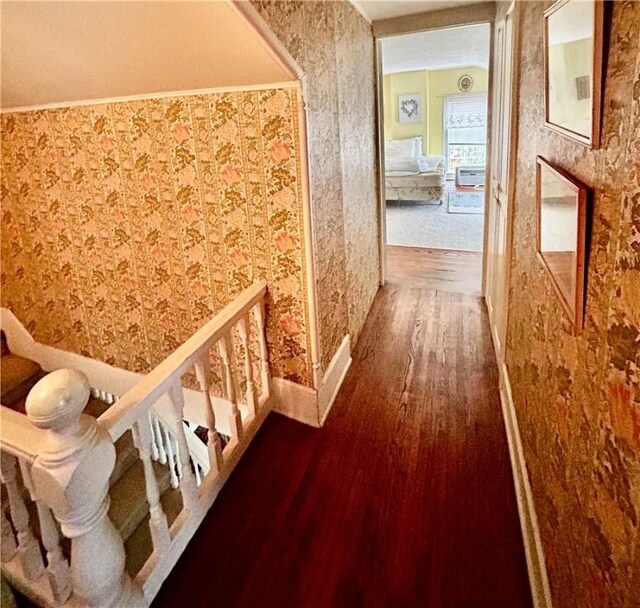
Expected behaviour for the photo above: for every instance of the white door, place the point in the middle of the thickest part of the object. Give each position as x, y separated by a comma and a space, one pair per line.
496, 289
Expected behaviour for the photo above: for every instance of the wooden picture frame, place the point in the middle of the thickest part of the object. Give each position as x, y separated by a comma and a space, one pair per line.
592, 137
563, 254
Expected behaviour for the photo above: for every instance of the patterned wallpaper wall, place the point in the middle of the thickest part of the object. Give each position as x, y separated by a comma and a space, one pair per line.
578, 398
333, 44
125, 226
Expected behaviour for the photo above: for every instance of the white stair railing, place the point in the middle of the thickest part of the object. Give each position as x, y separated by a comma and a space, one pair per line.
154, 411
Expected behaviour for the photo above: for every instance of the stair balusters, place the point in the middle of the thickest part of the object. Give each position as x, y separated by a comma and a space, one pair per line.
265, 372
188, 486
28, 549
74, 460
225, 348
57, 565
155, 449
163, 448
9, 546
171, 449
157, 518
202, 368
245, 338
71, 475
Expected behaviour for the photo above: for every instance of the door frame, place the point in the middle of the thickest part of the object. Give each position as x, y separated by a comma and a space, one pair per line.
382, 209
446, 19
513, 11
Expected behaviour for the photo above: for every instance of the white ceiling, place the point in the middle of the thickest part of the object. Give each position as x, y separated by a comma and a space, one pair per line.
375, 10
57, 52
574, 21
437, 49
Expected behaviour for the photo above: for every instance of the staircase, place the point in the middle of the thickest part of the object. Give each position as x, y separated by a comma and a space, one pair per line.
18, 375
172, 450
129, 509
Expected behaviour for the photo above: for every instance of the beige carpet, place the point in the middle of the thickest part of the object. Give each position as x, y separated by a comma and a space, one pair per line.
416, 225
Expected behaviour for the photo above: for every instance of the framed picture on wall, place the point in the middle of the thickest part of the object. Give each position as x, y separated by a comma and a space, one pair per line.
410, 108
561, 228
573, 51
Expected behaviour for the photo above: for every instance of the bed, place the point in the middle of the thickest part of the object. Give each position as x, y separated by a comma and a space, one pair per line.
411, 176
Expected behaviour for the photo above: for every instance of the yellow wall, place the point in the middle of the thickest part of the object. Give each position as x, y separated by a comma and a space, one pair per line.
404, 83
433, 85
566, 63
445, 82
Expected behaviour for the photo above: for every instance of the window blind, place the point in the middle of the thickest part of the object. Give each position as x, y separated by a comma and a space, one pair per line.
466, 112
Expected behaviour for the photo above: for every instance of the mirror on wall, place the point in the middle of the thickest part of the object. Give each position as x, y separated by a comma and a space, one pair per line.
561, 235
573, 68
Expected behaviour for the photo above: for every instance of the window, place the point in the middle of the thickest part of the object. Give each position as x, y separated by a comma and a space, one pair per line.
465, 131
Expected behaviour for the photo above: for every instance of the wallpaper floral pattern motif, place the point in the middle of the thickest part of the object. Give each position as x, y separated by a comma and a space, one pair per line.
333, 44
578, 397
126, 226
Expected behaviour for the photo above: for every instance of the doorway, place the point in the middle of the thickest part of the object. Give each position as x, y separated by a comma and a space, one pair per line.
500, 195
435, 114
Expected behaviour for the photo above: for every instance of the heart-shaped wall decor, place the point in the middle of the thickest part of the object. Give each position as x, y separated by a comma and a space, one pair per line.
409, 107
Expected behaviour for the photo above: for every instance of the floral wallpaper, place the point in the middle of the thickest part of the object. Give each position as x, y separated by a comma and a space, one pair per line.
578, 397
126, 226
333, 44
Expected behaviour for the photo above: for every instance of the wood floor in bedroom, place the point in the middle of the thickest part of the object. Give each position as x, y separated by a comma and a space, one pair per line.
440, 269
404, 499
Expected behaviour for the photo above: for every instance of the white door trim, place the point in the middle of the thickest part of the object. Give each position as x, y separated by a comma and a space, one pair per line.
382, 215
382, 203
514, 13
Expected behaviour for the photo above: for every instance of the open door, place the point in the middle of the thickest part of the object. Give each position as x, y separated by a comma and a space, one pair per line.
498, 255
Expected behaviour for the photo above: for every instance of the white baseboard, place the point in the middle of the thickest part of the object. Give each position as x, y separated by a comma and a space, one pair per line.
307, 405
291, 399
295, 401
333, 378
536, 566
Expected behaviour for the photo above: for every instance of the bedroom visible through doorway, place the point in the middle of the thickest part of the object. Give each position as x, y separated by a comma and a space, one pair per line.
435, 109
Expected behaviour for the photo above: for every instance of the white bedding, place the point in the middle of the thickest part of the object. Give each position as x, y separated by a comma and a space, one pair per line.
410, 176
427, 188
403, 179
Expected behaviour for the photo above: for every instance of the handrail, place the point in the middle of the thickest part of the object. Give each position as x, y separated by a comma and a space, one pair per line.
78, 457
18, 436
121, 416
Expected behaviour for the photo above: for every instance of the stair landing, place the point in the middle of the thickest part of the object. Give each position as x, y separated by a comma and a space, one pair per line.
404, 498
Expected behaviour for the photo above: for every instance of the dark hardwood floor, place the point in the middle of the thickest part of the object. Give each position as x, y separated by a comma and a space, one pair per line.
442, 269
404, 499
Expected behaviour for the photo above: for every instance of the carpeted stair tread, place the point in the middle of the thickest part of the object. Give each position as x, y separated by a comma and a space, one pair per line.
129, 504
126, 456
139, 545
95, 407
129, 509
17, 377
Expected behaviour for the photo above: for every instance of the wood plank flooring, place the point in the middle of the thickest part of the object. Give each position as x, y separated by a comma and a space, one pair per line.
442, 269
403, 499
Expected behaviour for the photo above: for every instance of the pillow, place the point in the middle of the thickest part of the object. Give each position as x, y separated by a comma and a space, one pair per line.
417, 144
430, 164
403, 148
402, 154
405, 163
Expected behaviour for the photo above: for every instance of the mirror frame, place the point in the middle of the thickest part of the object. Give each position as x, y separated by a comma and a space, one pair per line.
575, 310
592, 140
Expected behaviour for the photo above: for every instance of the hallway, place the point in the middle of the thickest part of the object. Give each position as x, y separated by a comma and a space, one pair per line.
403, 499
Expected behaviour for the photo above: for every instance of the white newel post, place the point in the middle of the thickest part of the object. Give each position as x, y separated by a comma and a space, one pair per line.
71, 476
